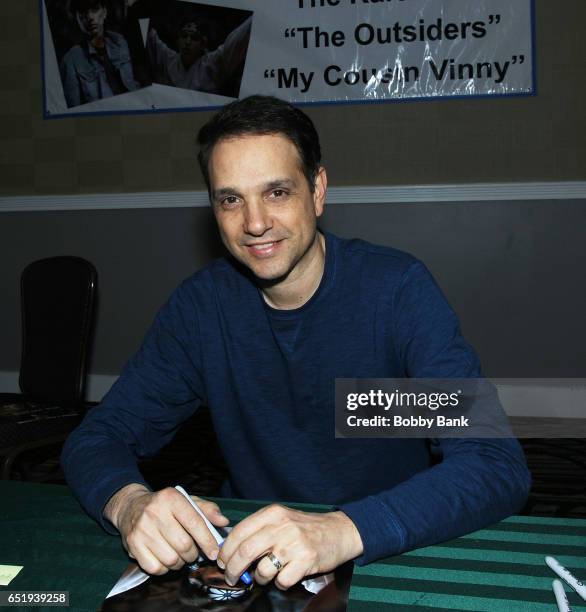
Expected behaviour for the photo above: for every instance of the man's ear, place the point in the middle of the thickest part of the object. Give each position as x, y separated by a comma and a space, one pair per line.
320, 187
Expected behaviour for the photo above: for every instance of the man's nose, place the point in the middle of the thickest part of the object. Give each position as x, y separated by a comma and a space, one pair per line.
256, 218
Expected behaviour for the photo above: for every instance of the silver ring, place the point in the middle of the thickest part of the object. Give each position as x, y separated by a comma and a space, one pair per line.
278, 565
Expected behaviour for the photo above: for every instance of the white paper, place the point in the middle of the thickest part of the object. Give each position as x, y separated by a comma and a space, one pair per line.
132, 577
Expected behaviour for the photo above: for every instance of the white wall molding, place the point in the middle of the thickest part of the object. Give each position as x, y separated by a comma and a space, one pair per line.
560, 398
9, 382
475, 192
543, 398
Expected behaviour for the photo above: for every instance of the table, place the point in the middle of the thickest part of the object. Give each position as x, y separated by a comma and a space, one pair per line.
496, 569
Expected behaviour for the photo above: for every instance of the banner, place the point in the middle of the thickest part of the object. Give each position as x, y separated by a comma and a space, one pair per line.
155, 55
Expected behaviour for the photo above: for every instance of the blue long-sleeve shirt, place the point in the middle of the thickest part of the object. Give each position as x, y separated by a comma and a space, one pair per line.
268, 377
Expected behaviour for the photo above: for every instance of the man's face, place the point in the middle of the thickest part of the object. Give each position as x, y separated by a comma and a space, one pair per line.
265, 210
92, 19
190, 43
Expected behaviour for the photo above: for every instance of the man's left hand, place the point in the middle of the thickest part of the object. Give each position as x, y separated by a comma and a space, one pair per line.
304, 543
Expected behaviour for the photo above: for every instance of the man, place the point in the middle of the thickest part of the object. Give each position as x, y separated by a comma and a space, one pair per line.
101, 66
193, 66
260, 338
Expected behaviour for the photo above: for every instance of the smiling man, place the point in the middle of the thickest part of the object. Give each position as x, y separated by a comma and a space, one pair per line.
260, 337
266, 212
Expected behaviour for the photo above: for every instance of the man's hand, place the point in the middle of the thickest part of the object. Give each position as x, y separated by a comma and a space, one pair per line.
304, 542
161, 530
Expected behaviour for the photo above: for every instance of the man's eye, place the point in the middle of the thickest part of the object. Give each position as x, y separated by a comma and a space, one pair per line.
278, 194
229, 202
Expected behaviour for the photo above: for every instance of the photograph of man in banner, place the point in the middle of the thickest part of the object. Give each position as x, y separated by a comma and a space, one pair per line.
198, 47
95, 57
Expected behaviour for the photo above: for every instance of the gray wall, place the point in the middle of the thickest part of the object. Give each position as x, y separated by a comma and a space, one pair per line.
512, 270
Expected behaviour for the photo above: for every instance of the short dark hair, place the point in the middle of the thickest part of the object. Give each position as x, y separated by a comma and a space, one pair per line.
198, 23
79, 6
262, 115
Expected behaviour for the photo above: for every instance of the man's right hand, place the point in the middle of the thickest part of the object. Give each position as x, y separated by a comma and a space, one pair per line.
161, 530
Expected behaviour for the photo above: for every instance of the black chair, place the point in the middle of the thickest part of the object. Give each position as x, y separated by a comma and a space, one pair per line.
192, 458
58, 295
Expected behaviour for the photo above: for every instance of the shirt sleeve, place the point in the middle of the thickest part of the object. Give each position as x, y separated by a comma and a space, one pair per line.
228, 57
477, 481
126, 68
69, 79
159, 56
159, 389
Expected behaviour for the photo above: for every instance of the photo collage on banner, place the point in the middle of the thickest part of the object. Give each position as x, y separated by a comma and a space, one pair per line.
125, 54
112, 56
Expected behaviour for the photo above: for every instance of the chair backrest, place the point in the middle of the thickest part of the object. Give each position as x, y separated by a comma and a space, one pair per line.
57, 298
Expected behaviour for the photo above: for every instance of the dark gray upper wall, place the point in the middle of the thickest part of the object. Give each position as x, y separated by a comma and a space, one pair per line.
447, 141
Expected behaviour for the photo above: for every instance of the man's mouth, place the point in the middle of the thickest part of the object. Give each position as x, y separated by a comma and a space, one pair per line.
263, 249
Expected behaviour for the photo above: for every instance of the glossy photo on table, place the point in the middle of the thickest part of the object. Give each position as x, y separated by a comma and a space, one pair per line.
201, 586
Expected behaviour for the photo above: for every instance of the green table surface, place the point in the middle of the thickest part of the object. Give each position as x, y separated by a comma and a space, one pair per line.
500, 568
